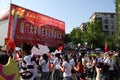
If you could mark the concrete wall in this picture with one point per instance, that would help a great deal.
(3, 31)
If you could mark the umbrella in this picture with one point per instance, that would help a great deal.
(98, 49)
(83, 49)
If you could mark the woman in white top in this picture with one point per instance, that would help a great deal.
(73, 63)
(66, 68)
(111, 62)
(35, 67)
(56, 70)
(44, 63)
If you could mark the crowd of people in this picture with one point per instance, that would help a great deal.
(67, 65)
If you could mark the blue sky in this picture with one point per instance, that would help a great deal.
(72, 12)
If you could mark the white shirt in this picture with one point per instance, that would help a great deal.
(72, 62)
(35, 69)
(56, 63)
(44, 65)
(110, 63)
(28, 60)
(68, 67)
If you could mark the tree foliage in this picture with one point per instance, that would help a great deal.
(67, 38)
(93, 35)
(76, 36)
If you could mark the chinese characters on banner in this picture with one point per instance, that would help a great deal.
(35, 28)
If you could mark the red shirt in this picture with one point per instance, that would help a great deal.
(81, 67)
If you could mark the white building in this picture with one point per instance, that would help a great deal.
(3, 31)
(108, 21)
(83, 26)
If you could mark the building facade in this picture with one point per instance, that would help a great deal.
(83, 26)
(108, 22)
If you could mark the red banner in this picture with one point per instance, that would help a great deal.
(32, 27)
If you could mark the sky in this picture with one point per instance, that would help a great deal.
(72, 12)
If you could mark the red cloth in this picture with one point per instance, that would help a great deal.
(11, 44)
(17, 56)
(60, 48)
(81, 67)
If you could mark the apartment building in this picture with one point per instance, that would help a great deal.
(83, 26)
(108, 22)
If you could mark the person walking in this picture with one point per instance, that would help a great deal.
(27, 63)
(56, 70)
(80, 69)
(66, 68)
(44, 63)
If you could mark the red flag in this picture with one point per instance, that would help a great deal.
(11, 44)
(60, 48)
(106, 47)
(16, 56)
(4, 14)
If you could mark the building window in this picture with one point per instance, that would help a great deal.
(106, 26)
(106, 21)
(112, 27)
(113, 32)
(112, 16)
(98, 15)
(105, 14)
(106, 33)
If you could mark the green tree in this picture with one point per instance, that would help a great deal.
(67, 38)
(94, 35)
(76, 36)
(113, 42)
